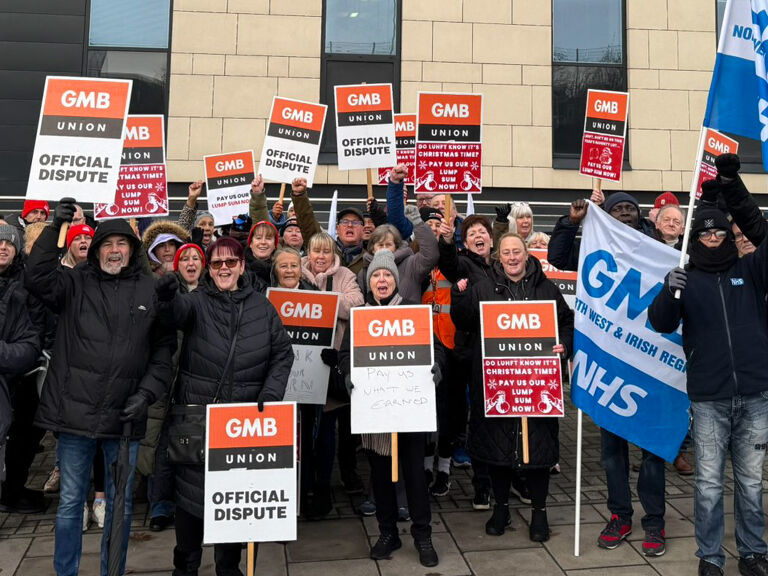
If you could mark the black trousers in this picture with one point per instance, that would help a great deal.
(189, 549)
(23, 437)
(451, 406)
(411, 456)
(536, 478)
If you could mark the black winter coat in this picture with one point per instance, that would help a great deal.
(19, 340)
(108, 343)
(563, 249)
(497, 441)
(259, 369)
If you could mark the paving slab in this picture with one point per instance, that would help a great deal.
(43, 545)
(371, 525)
(513, 563)
(358, 567)
(405, 562)
(564, 515)
(342, 539)
(560, 545)
(150, 551)
(682, 505)
(468, 529)
(11, 553)
(640, 570)
(675, 526)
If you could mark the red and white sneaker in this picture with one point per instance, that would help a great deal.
(614, 532)
(654, 543)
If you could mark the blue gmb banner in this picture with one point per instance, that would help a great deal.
(627, 377)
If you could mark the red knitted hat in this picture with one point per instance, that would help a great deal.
(75, 231)
(30, 205)
(664, 199)
(182, 249)
(264, 223)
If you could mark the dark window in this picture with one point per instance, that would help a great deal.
(750, 150)
(361, 43)
(588, 51)
(131, 40)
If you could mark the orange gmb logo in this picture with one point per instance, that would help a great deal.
(607, 105)
(363, 98)
(505, 320)
(86, 98)
(304, 308)
(456, 109)
(405, 125)
(550, 271)
(717, 143)
(298, 114)
(392, 326)
(229, 164)
(143, 132)
(246, 427)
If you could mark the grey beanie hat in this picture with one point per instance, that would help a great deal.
(12, 235)
(382, 259)
(203, 214)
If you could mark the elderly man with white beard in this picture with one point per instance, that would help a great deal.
(110, 361)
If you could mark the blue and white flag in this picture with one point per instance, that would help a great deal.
(629, 378)
(738, 95)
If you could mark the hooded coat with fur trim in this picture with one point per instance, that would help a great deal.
(157, 228)
(108, 344)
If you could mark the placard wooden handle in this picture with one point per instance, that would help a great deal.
(63, 235)
(526, 455)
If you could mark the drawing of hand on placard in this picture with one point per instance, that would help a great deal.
(605, 157)
(498, 403)
(427, 181)
(548, 403)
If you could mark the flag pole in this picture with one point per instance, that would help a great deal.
(692, 200)
(577, 504)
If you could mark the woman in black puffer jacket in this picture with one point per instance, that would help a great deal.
(497, 442)
(224, 304)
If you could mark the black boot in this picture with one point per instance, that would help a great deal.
(321, 504)
(500, 519)
(186, 563)
(539, 529)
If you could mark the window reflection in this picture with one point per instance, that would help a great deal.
(134, 24)
(587, 31)
(361, 27)
(148, 70)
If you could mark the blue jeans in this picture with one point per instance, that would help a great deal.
(75, 455)
(742, 423)
(650, 482)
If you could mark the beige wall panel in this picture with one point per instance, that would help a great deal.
(650, 150)
(536, 12)
(696, 50)
(452, 72)
(190, 95)
(658, 109)
(178, 138)
(209, 64)
(503, 74)
(205, 137)
(304, 67)
(297, 7)
(497, 150)
(204, 33)
(249, 6)
(637, 49)
(683, 146)
(662, 49)
(513, 177)
(417, 40)
(497, 43)
(429, 10)
(691, 15)
(244, 134)
(648, 14)
(537, 75)
(243, 97)
(451, 42)
(283, 35)
(643, 79)
(531, 146)
(509, 105)
(496, 11)
(246, 65)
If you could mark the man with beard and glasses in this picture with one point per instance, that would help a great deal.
(110, 361)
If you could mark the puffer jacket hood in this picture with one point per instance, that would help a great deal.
(109, 228)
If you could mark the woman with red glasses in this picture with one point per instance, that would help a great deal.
(225, 313)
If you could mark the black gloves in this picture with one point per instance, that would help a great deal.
(502, 212)
(348, 384)
(709, 191)
(330, 357)
(136, 407)
(261, 404)
(166, 287)
(437, 374)
(64, 212)
(677, 279)
(196, 237)
(728, 165)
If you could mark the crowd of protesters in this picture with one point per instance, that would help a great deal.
(117, 331)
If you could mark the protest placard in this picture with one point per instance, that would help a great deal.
(365, 128)
(392, 357)
(309, 318)
(229, 178)
(715, 143)
(565, 280)
(292, 142)
(250, 473)
(448, 143)
(605, 129)
(142, 188)
(405, 145)
(79, 139)
(521, 374)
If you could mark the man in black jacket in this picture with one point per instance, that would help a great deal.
(111, 360)
(725, 337)
(19, 342)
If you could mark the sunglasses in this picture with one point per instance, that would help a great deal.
(230, 262)
(720, 234)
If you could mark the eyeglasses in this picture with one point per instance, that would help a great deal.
(352, 223)
(719, 234)
(230, 262)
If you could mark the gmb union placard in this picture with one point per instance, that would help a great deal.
(79, 139)
(391, 369)
(365, 128)
(605, 130)
(142, 185)
(229, 178)
(565, 280)
(715, 143)
(405, 146)
(521, 374)
(449, 143)
(292, 142)
(250, 473)
(309, 317)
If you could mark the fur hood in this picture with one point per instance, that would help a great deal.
(163, 227)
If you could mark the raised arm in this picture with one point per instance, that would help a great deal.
(305, 215)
